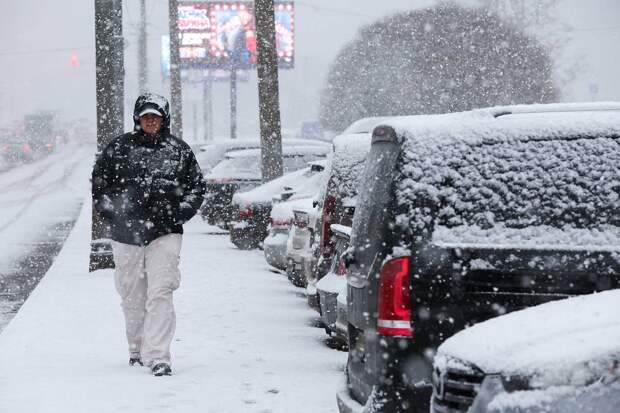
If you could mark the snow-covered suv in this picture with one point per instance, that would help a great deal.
(467, 216)
(559, 357)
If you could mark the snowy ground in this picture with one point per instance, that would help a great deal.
(39, 201)
(244, 342)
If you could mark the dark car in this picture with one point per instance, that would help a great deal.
(250, 225)
(240, 170)
(336, 205)
(467, 216)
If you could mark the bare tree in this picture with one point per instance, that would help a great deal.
(268, 91)
(441, 59)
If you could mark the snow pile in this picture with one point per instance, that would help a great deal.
(485, 179)
(572, 342)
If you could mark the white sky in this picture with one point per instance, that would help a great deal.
(38, 38)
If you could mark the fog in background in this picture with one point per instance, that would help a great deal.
(47, 57)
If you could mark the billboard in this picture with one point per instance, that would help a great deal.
(216, 75)
(222, 34)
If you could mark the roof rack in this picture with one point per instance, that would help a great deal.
(556, 108)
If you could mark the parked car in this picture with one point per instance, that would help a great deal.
(253, 207)
(210, 154)
(337, 203)
(304, 248)
(560, 357)
(241, 170)
(334, 284)
(467, 216)
(280, 223)
(300, 259)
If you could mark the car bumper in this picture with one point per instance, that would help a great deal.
(346, 404)
(493, 398)
(275, 250)
(313, 297)
(327, 302)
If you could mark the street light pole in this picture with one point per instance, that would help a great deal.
(176, 94)
(110, 90)
(233, 102)
(142, 46)
(268, 90)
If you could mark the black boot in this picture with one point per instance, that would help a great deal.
(135, 361)
(161, 369)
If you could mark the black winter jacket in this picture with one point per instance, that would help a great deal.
(146, 187)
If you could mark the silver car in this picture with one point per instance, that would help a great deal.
(333, 285)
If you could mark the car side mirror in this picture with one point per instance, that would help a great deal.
(286, 193)
(348, 258)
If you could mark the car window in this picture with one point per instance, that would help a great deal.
(530, 191)
(241, 164)
(297, 162)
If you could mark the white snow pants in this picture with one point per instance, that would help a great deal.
(145, 278)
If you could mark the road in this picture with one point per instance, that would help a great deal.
(40, 202)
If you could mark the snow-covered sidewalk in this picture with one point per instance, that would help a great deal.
(244, 340)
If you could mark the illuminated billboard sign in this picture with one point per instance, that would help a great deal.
(223, 35)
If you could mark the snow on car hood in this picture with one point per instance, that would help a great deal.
(283, 211)
(304, 182)
(568, 342)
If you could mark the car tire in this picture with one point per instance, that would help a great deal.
(245, 243)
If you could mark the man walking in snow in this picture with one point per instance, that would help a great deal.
(146, 185)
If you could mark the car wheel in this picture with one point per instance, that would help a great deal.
(245, 243)
(295, 278)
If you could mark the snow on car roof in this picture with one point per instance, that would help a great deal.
(568, 342)
(364, 125)
(286, 151)
(500, 177)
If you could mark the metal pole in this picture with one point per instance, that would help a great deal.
(109, 84)
(176, 94)
(233, 103)
(268, 90)
(207, 107)
(195, 119)
(142, 47)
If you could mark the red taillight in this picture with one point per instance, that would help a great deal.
(342, 268)
(280, 223)
(329, 207)
(395, 299)
(247, 212)
(300, 221)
